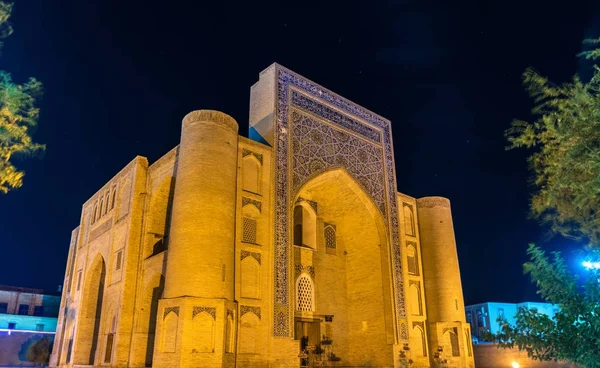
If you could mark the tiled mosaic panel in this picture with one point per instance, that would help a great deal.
(283, 187)
(317, 147)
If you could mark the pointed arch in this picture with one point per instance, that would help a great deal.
(113, 197)
(305, 225)
(250, 278)
(414, 297)
(251, 169)
(203, 327)
(101, 208)
(158, 217)
(305, 293)
(168, 341)
(412, 260)
(450, 339)
(88, 332)
(248, 333)
(409, 220)
(250, 219)
(95, 212)
(418, 341)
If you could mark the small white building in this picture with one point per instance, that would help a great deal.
(484, 317)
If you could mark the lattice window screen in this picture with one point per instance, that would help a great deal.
(330, 237)
(304, 294)
(249, 230)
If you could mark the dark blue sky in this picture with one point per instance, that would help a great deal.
(120, 75)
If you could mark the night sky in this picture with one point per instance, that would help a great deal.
(120, 75)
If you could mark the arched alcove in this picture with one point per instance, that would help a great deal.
(417, 338)
(412, 261)
(91, 313)
(414, 300)
(359, 270)
(450, 339)
(248, 333)
(203, 327)
(251, 174)
(409, 220)
(250, 278)
(168, 340)
(158, 217)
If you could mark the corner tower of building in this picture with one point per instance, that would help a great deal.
(450, 334)
(195, 314)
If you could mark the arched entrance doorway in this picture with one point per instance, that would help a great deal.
(90, 313)
(342, 284)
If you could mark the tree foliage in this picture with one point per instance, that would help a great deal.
(566, 161)
(573, 333)
(39, 352)
(18, 116)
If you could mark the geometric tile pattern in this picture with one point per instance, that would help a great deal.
(317, 147)
(171, 309)
(249, 309)
(333, 120)
(211, 311)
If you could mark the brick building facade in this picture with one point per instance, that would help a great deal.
(233, 251)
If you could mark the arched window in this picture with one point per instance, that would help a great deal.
(412, 260)
(305, 226)
(330, 239)
(250, 217)
(409, 220)
(305, 294)
(113, 197)
(251, 174)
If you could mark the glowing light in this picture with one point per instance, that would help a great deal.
(515, 365)
(588, 265)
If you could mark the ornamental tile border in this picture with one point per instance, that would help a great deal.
(169, 310)
(247, 152)
(285, 190)
(211, 311)
(257, 204)
(245, 253)
(250, 309)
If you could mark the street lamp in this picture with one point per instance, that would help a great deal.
(589, 265)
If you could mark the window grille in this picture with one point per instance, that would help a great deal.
(305, 294)
(249, 230)
(330, 241)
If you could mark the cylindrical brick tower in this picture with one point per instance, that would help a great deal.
(200, 261)
(441, 274)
